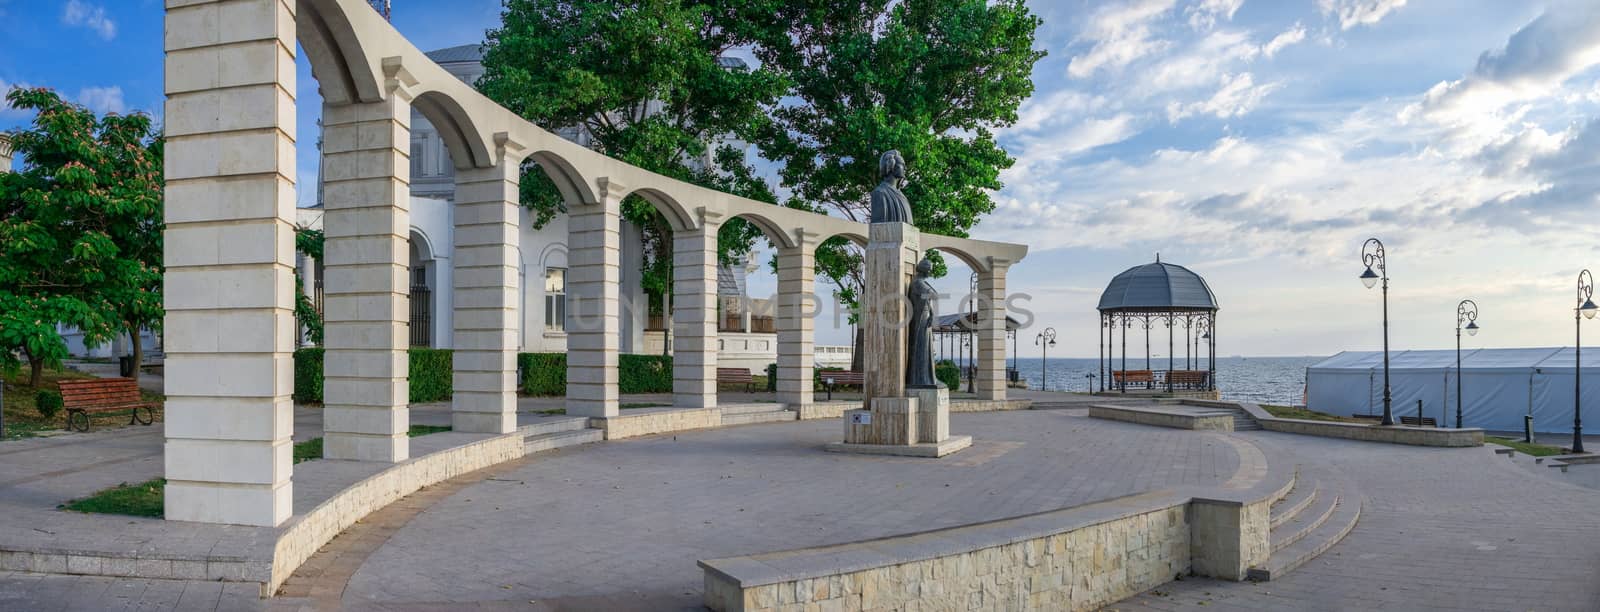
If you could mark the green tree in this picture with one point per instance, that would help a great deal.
(642, 80)
(931, 78)
(80, 229)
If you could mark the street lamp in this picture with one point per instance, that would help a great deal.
(1044, 341)
(1466, 312)
(1586, 309)
(1372, 255)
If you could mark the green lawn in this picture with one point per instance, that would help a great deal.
(143, 499)
(624, 406)
(1537, 450)
(23, 419)
(1287, 412)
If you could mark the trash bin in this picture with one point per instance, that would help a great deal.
(125, 365)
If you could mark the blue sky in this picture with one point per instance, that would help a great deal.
(1258, 142)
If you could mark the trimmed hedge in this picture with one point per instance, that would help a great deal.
(543, 373)
(644, 374)
(308, 375)
(48, 403)
(432, 375)
(947, 373)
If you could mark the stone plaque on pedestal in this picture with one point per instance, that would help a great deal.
(892, 420)
(933, 413)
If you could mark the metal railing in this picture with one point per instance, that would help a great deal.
(421, 316)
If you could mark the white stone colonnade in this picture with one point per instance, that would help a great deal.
(229, 286)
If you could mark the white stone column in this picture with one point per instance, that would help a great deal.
(694, 314)
(594, 258)
(991, 379)
(795, 309)
(365, 297)
(229, 255)
(487, 299)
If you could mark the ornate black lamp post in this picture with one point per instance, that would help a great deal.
(1044, 341)
(1466, 312)
(1374, 257)
(1586, 310)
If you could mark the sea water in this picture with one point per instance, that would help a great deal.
(1266, 380)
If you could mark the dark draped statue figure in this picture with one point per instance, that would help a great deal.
(888, 204)
(919, 336)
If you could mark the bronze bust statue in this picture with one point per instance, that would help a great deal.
(888, 204)
(919, 336)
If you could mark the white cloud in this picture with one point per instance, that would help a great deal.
(1238, 96)
(102, 100)
(6, 112)
(1291, 36)
(1205, 14)
(1204, 63)
(93, 17)
(1534, 63)
(1352, 13)
(1121, 34)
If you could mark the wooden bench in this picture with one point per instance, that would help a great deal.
(736, 376)
(83, 397)
(1426, 421)
(1121, 377)
(1187, 379)
(841, 378)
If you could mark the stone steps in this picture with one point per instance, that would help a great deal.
(560, 439)
(1319, 512)
(554, 424)
(765, 416)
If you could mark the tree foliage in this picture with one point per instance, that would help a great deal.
(640, 81)
(930, 78)
(80, 228)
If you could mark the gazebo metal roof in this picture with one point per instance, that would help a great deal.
(1158, 287)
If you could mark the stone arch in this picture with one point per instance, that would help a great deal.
(574, 187)
(424, 244)
(771, 229)
(678, 217)
(855, 238)
(972, 261)
(338, 61)
(457, 130)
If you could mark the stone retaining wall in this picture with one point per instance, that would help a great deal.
(647, 421)
(1072, 559)
(1163, 418)
(1394, 434)
(305, 534)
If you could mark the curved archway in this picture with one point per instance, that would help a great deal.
(973, 262)
(334, 51)
(573, 185)
(456, 129)
(678, 217)
(770, 229)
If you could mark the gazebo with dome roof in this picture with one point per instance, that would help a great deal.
(1159, 294)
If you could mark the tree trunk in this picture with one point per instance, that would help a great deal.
(36, 370)
(138, 351)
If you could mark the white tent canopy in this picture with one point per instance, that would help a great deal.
(1498, 386)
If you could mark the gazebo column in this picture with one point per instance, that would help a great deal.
(694, 314)
(796, 275)
(991, 372)
(366, 397)
(487, 299)
(594, 277)
(229, 254)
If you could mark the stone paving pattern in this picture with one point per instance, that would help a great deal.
(634, 516)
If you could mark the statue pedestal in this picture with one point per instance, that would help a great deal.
(900, 426)
(896, 420)
(933, 414)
